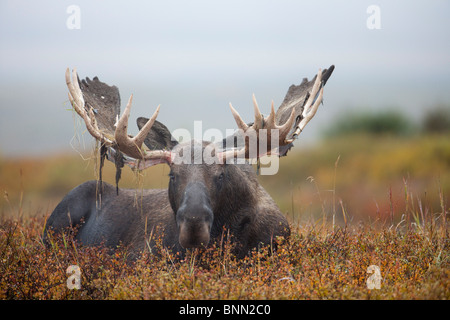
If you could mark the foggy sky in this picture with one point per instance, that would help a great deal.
(194, 57)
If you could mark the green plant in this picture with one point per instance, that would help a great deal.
(387, 122)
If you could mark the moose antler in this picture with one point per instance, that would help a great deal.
(77, 101)
(99, 106)
(285, 133)
(267, 124)
(132, 147)
(310, 109)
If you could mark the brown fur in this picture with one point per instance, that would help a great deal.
(239, 204)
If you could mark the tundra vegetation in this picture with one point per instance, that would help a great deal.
(352, 201)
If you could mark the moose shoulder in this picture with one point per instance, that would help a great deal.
(205, 200)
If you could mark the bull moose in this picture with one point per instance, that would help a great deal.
(204, 199)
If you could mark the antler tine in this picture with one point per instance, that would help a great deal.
(240, 123)
(284, 128)
(121, 133)
(271, 118)
(131, 146)
(77, 101)
(308, 110)
(75, 97)
(287, 126)
(309, 115)
(259, 121)
(142, 134)
(314, 91)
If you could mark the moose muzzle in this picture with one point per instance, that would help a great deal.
(194, 217)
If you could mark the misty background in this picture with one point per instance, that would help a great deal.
(194, 57)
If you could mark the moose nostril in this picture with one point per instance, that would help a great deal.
(197, 218)
(193, 235)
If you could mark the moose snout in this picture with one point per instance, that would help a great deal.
(194, 217)
(194, 232)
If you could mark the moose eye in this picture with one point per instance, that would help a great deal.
(220, 177)
(172, 177)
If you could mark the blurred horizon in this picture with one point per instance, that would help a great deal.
(195, 57)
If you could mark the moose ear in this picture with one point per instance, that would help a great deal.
(159, 137)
